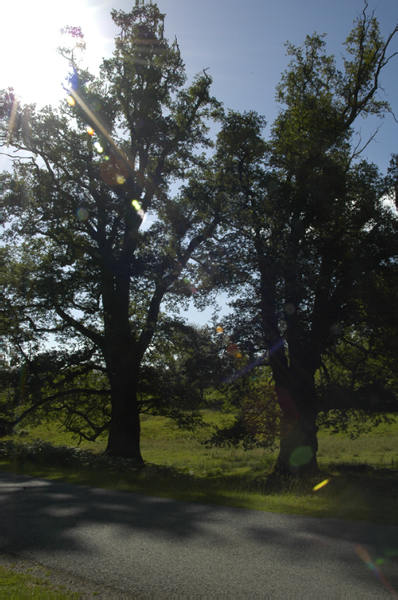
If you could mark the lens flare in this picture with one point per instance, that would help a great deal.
(219, 329)
(232, 349)
(90, 130)
(71, 101)
(320, 485)
(364, 555)
(290, 309)
(301, 456)
(138, 208)
(98, 147)
(82, 214)
(113, 171)
(136, 205)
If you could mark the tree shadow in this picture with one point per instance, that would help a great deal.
(39, 512)
(206, 546)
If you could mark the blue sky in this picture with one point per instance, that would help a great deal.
(242, 44)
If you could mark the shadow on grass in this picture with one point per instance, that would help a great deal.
(348, 491)
(356, 492)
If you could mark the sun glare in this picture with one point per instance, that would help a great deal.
(29, 36)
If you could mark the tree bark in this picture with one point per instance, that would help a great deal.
(124, 428)
(297, 399)
(298, 443)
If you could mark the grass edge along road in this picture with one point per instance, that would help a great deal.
(21, 578)
(361, 475)
(24, 578)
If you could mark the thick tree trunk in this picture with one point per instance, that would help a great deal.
(296, 395)
(124, 433)
(298, 442)
(124, 428)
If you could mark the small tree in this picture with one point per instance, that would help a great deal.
(80, 264)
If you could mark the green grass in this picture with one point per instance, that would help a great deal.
(164, 443)
(32, 583)
(362, 473)
(379, 448)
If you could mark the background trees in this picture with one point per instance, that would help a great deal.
(81, 267)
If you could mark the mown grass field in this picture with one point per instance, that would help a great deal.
(362, 474)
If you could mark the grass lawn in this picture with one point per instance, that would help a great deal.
(362, 474)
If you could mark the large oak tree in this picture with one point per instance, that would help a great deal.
(310, 245)
(82, 265)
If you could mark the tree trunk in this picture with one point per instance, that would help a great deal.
(297, 399)
(298, 442)
(296, 392)
(125, 428)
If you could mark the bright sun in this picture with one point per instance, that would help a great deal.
(29, 36)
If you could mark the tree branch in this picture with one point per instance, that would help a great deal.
(91, 335)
